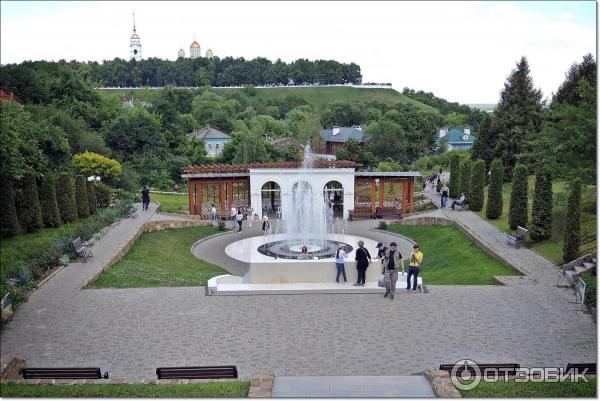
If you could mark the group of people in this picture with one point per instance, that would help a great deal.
(444, 193)
(391, 262)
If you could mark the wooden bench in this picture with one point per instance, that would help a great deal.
(390, 212)
(198, 372)
(81, 250)
(63, 373)
(518, 237)
(358, 213)
(500, 369)
(581, 367)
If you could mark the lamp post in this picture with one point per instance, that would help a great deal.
(94, 179)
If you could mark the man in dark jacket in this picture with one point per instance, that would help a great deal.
(363, 259)
(145, 197)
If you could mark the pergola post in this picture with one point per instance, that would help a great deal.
(190, 198)
(222, 196)
(381, 191)
(404, 196)
(373, 192)
(411, 185)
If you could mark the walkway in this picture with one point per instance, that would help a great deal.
(130, 332)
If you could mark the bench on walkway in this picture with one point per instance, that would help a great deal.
(518, 237)
(132, 213)
(581, 367)
(63, 373)
(198, 372)
(461, 206)
(81, 250)
(388, 212)
(500, 369)
(358, 213)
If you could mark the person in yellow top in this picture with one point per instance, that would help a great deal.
(416, 258)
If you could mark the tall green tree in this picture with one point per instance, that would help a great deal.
(66, 198)
(493, 209)
(518, 116)
(50, 213)
(91, 196)
(517, 215)
(454, 185)
(485, 142)
(477, 185)
(9, 224)
(465, 178)
(572, 236)
(541, 212)
(30, 210)
(83, 206)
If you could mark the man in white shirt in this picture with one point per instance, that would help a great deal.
(460, 201)
(213, 212)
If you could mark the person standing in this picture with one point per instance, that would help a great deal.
(239, 217)
(445, 190)
(145, 197)
(363, 259)
(266, 226)
(213, 212)
(391, 263)
(250, 217)
(340, 257)
(380, 250)
(232, 214)
(416, 258)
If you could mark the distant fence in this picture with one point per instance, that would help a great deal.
(367, 85)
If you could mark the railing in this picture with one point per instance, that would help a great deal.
(580, 287)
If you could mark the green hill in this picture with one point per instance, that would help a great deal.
(316, 96)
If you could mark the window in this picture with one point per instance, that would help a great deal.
(465, 137)
(210, 145)
(217, 146)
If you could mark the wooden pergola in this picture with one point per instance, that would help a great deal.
(385, 191)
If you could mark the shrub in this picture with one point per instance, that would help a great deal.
(477, 185)
(83, 207)
(572, 238)
(222, 226)
(9, 224)
(103, 193)
(91, 196)
(465, 179)
(493, 209)
(87, 231)
(64, 245)
(89, 163)
(50, 213)
(588, 200)
(383, 225)
(31, 212)
(108, 216)
(517, 215)
(65, 195)
(22, 275)
(46, 259)
(454, 183)
(541, 213)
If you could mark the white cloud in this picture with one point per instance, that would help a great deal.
(461, 51)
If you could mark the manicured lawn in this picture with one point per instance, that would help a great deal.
(161, 259)
(525, 390)
(552, 248)
(450, 257)
(172, 203)
(197, 390)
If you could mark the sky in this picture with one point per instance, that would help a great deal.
(460, 51)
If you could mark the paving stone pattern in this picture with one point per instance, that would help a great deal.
(130, 332)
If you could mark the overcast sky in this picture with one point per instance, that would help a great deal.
(461, 51)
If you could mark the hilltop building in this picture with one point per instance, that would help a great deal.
(135, 46)
(181, 53)
(336, 137)
(214, 140)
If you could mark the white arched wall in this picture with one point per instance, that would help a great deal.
(286, 178)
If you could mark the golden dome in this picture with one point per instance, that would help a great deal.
(135, 36)
(195, 45)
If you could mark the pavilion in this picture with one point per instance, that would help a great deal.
(264, 187)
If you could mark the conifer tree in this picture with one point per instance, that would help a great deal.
(50, 213)
(572, 238)
(83, 206)
(454, 183)
(9, 224)
(517, 215)
(477, 185)
(541, 211)
(465, 178)
(66, 198)
(30, 210)
(493, 209)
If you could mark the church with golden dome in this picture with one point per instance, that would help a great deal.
(135, 46)
(195, 51)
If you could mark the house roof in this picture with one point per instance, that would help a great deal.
(455, 135)
(344, 134)
(244, 168)
(207, 133)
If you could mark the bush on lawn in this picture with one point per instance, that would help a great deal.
(465, 178)
(572, 238)
(30, 210)
(83, 207)
(517, 215)
(65, 195)
(541, 213)
(454, 183)
(50, 213)
(477, 185)
(383, 225)
(9, 224)
(494, 205)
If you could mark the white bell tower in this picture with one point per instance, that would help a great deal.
(135, 47)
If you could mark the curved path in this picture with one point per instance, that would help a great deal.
(130, 332)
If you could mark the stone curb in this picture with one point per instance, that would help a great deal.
(77, 382)
(261, 386)
(442, 384)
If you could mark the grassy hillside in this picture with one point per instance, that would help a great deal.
(315, 96)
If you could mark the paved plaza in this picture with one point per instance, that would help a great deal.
(130, 332)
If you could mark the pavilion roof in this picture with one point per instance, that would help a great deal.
(245, 168)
